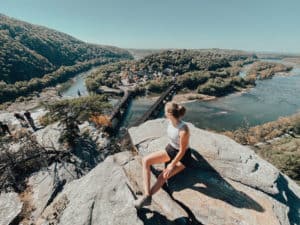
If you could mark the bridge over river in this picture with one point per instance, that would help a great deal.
(153, 112)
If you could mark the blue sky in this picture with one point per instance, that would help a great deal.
(258, 25)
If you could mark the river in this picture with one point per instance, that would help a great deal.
(78, 85)
(267, 101)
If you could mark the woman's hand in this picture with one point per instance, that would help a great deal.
(168, 170)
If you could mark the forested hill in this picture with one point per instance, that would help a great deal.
(28, 50)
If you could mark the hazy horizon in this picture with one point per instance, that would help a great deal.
(256, 26)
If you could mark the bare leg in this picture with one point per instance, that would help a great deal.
(153, 158)
(161, 179)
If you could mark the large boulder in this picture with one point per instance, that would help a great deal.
(100, 197)
(106, 196)
(227, 182)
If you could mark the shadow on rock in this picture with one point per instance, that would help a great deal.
(150, 217)
(204, 178)
(86, 150)
(287, 197)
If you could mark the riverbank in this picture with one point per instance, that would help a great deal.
(192, 96)
(9, 92)
(219, 84)
(264, 70)
(295, 60)
(49, 94)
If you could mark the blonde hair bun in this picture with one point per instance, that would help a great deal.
(175, 109)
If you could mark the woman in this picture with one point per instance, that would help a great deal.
(177, 153)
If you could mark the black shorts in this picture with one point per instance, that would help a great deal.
(186, 160)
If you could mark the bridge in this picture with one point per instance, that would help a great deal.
(120, 109)
(153, 112)
(117, 110)
(155, 109)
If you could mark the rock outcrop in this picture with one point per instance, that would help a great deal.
(100, 197)
(35, 166)
(106, 195)
(228, 183)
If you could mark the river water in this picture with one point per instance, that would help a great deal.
(78, 84)
(267, 101)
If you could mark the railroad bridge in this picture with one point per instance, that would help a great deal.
(120, 109)
(155, 109)
(153, 112)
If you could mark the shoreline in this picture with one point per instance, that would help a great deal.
(182, 98)
(185, 97)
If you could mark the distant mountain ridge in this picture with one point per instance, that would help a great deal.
(28, 51)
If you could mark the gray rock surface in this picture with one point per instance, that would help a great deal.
(228, 183)
(161, 201)
(100, 197)
(49, 136)
(106, 196)
(227, 157)
(45, 184)
(101, 139)
(10, 207)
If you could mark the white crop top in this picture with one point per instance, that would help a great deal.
(173, 134)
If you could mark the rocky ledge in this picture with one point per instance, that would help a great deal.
(226, 184)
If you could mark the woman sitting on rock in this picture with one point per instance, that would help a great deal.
(177, 153)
